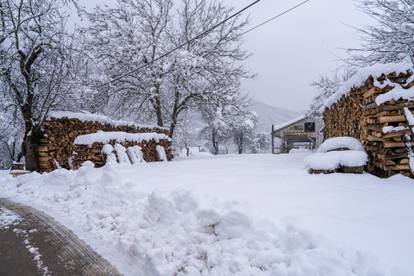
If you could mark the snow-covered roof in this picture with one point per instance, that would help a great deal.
(119, 137)
(91, 117)
(289, 123)
(363, 74)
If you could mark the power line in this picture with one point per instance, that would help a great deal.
(182, 45)
(207, 32)
(275, 17)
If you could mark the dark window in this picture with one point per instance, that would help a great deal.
(310, 127)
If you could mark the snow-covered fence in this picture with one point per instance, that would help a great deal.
(58, 147)
(373, 107)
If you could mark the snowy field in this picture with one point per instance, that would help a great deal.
(231, 215)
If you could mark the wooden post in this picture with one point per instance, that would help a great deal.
(273, 139)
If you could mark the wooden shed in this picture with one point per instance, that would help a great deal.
(301, 132)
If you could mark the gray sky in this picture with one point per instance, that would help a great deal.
(291, 52)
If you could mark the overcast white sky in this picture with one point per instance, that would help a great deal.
(289, 53)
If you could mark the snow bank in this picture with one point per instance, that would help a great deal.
(335, 159)
(339, 143)
(362, 75)
(91, 117)
(119, 137)
(177, 233)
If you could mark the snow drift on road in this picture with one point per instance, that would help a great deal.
(177, 233)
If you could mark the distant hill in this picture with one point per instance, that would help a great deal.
(268, 115)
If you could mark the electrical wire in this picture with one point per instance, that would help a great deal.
(181, 45)
(204, 34)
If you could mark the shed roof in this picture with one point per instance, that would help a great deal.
(290, 123)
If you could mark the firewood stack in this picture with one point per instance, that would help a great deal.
(380, 126)
(56, 148)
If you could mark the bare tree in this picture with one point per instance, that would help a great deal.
(326, 86)
(37, 65)
(391, 39)
(136, 32)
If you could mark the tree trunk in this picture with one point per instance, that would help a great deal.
(156, 103)
(240, 142)
(215, 143)
(158, 111)
(187, 149)
(30, 144)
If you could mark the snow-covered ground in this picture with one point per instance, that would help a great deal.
(231, 215)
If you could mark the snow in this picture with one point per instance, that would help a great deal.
(119, 137)
(397, 93)
(409, 116)
(92, 117)
(8, 218)
(121, 152)
(390, 129)
(339, 143)
(231, 215)
(107, 149)
(161, 153)
(363, 74)
(335, 159)
(289, 123)
(135, 155)
(410, 153)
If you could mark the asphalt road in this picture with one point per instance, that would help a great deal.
(35, 244)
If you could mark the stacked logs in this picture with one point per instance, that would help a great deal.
(56, 148)
(358, 115)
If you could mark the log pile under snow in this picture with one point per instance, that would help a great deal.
(91, 132)
(376, 107)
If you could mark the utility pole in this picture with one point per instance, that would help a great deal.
(273, 139)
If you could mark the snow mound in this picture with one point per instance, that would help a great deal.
(333, 160)
(119, 137)
(341, 143)
(92, 117)
(178, 233)
(362, 75)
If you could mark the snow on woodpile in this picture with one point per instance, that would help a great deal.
(363, 74)
(341, 143)
(375, 106)
(337, 153)
(92, 117)
(334, 160)
(118, 137)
